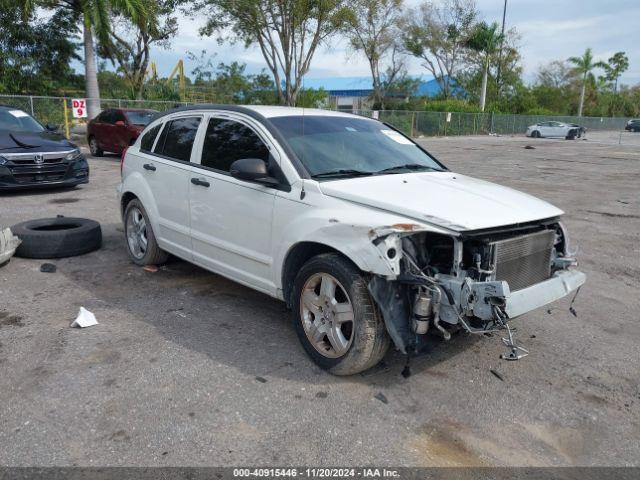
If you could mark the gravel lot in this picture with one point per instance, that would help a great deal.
(188, 368)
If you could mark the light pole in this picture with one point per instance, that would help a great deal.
(504, 16)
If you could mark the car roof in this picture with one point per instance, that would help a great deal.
(271, 111)
(137, 109)
(118, 109)
(260, 111)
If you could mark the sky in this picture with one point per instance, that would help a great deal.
(550, 30)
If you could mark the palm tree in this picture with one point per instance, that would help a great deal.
(95, 21)
(583, 66)
(485, 40)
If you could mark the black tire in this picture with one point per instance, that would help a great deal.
(571, 135)
(153, 254)
(370, 340)
(95, 150)
(57, 237)
(535, 134)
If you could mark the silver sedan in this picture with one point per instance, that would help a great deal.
(553, 129)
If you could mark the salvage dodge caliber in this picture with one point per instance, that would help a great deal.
(365, 235)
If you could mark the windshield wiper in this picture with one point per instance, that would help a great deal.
(343, 172)
(408, 166)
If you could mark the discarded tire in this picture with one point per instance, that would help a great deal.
(57, 237)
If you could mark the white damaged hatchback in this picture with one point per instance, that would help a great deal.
(365, 235)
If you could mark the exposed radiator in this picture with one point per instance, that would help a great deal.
(524, 261)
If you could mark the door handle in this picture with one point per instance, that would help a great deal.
(199, 181)
(149, 166)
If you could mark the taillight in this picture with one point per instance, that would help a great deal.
(124, 152)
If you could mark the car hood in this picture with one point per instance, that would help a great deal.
(18, 141)
(446, 199)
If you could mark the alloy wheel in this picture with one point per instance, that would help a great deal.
(136, 232)
(327, 315)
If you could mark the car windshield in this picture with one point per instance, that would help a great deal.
(333, 146)
(140, 118)
(18, 121)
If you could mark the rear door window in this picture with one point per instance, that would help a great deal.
(176, 140)
(227, 141)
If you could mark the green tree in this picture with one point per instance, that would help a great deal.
(229, 83)
(288, 32)
(614, 67)
(436, 34)
(583, 66)
(128, 45)
(500, 95)
(555, 74)
(35, 54)
(373, 31)
(485, 39)
(95, 17)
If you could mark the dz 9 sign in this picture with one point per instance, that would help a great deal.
(79, 107)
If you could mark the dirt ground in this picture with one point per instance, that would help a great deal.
(188, 368)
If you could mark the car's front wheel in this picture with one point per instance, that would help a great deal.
(142, 246)
(535, 134)
(335, 317)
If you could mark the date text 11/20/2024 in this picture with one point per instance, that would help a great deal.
(317, 472)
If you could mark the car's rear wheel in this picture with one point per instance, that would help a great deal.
(95, 150)
(335, 317)
(141, 242)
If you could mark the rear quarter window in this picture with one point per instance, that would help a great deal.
(146, 143)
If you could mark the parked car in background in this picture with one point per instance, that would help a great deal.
(364, 234)
(32, 155)
(633, 125)
(116, 128)
(553, 129)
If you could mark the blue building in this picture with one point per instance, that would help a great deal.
(352, 93)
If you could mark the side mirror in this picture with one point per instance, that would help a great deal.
(52, 127)
(120, 123)
(252, 170)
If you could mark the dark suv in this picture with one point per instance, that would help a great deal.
(633, 125)
(116, 128)
(34, 156)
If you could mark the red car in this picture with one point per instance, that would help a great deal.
(116, 128)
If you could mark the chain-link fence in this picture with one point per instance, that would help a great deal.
(415, 124)
(431, 124)
(52, 109)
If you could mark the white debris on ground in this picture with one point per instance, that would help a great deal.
(84, 319)
(8, 244)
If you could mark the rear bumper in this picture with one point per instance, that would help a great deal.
(561, 284)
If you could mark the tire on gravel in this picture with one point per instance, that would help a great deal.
(154, 254)
(57, 237)
(371, 340)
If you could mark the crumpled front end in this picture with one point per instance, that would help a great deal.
(476, 280)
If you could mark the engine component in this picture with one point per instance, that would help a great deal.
(422, 312)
